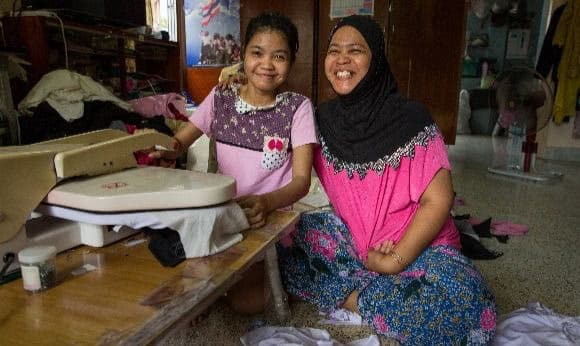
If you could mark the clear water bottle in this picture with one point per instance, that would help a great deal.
(514, 146)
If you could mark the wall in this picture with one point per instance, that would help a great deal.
(302, 77)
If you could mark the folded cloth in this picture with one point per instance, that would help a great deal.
(203, 231)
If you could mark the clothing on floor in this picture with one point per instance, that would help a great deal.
(537, 325)
(439, 299)
(274, 336)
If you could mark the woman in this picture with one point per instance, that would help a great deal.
(391, 251)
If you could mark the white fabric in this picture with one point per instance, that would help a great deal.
(537, 325)
(275, 336)
(203, 231)
(65, 91)
(342, 317)
(198, 155)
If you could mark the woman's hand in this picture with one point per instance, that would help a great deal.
(256, 209)
(237, 78)
(383, 263)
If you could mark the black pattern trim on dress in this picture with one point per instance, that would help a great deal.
(379, 166)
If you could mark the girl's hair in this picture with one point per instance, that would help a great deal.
(274, 21)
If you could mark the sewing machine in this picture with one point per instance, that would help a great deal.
(90, 174)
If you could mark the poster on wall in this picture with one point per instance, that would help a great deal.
(345, 8)
(212, 31)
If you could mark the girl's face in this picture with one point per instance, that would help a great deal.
(347, 60)
(267, 60)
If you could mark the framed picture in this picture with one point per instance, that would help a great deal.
(212, 30)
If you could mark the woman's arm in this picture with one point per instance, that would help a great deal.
(434, 207)
(257, 207)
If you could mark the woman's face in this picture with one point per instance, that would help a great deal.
(347, 60)
(267, 60)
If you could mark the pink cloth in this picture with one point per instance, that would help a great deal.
(151, 106)
(503, 227)
(246, 165)
(507, 228)
(380, 207)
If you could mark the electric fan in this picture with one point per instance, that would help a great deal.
(524, 100)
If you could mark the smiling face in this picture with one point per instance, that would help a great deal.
(267, 61)
(347, 60)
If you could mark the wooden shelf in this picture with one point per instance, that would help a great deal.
(108, 47)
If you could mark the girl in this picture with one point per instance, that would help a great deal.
(264, 137)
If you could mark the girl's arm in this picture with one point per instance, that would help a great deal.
(182, 140)
(434, 207)
(257, 207)
(188, 134)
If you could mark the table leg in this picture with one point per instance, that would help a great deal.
(279, 297)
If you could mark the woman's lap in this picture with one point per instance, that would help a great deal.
(440, 298)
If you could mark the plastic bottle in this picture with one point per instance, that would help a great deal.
(38, 267)
(515, 140)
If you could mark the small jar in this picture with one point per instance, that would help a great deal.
(38, 267)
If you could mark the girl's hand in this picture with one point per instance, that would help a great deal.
(385, 247)
(163, 154)
(256, 209)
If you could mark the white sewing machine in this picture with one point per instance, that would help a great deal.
(95, 172)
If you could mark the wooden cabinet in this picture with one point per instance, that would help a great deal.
(425, 51)
(124, 62)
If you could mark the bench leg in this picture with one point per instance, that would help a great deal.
(279, 297)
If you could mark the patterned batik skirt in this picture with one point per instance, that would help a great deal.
(440, 299)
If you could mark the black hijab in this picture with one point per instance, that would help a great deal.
(374, 125)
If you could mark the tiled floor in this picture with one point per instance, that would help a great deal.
(541, 266)
(544, 264)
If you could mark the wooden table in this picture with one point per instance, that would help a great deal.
(131, 299)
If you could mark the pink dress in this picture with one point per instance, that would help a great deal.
(380, 207)
(255, 145)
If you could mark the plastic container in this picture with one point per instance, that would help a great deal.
(38, 267)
